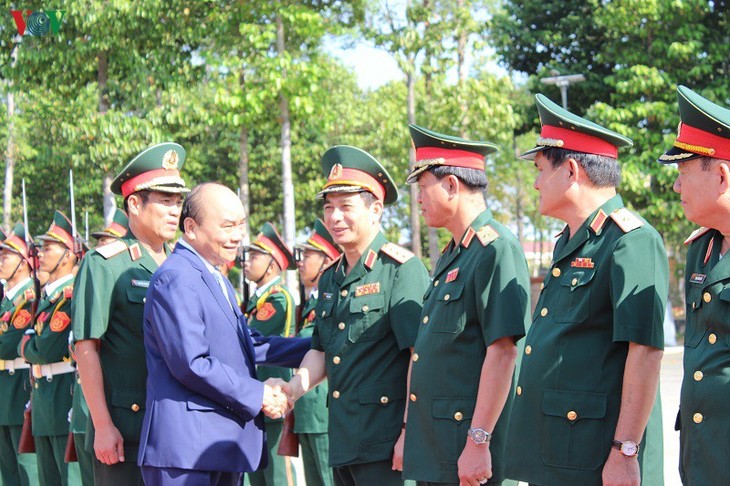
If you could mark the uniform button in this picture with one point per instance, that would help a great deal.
(694, 304)
(556, 272)
(543, 312)
(343, 293)
(572, 415)
(135, 407)
(528, 349)
(712, 338)
(697, 418)
(341, 326)
(323, 313)
(458, 416)
(78, 380)
(435, 283)
(335, 394)
(425, 319)
(365, 308)
(384, 400)
(574, 282)
(698, 375)
(519, 390)
(413, 397)
(144, 299)
(706, 297)
(542, 285)
(415, 357)
(36, 384)
(336, 360)
(447, 297)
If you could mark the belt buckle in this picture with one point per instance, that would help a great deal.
(37, 373)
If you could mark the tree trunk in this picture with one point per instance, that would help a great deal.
(286, 178)
(415, 213)
(110, 203)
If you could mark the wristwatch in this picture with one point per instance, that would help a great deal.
(479, 436)
(628, 448)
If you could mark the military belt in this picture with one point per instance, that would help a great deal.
(50, 370)
(11, 365)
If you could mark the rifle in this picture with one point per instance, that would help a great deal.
(78, 246)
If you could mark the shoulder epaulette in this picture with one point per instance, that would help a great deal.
(486, 234)
(626, 220)
(696, 234)
(396, 252)
(68, 292)
(112, 249)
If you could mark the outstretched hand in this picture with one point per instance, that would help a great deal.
(277, 398)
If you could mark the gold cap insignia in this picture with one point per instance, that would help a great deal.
(169, 160)
(336, 172)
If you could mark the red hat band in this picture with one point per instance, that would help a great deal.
(268, 245)
(353, 177)
(60, 234)
(451, 157)
(701, 142)
(130, 186)
(318, 242)
(578, 141)
(18, 245)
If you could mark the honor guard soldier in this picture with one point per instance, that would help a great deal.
(15, 318)
(590, 368)
(366, 322)
(702, 153)
(271, 311)
(45, 347)
(310, 414)
(108, 308)
(117, 229)
(474, 311)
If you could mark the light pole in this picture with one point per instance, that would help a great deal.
(563, 82)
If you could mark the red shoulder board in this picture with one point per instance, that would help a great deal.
(60, 321)
(397, 253)
(626, 220)
(266, 312)
(68, 292)
(696, 234)
(22, 319)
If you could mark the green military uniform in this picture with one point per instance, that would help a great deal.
(272, 312)
(703, 420)
(606, 287)
(15, 319)
(367, 319)
(110, 291)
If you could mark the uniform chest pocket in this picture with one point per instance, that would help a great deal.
(137, 295)
(575, 292)
(367, 320)
(450, 310)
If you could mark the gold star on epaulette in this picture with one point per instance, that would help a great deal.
(626, 220)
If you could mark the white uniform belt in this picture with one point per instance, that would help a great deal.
(49, 370)
(11, 365)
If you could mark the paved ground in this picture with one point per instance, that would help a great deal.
(671, 381)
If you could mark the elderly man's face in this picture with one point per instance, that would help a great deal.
(221, 226)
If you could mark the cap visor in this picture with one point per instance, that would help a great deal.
(342, 189)
(675, 155)
(413, 176)
(530, 154)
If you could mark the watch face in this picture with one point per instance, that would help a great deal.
(479, 436)
(628, 448)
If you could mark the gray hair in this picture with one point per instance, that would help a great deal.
(475, 180)
(602, 171)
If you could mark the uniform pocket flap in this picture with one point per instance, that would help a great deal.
(383, 393)
(578, 278)
(129, 399)
(455, 409)
(324, 308)
(574, 405)
(197, 402)
(136, 295)
(451, 291)
(367, 303)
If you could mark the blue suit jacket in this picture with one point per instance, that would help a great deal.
(203, 408)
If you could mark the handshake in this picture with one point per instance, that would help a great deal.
(278, 399)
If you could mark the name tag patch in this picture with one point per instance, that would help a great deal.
(140, 283)
(698, 278)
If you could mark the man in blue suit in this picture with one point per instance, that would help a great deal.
(203, 421)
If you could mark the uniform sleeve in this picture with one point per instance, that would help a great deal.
(502, 285)
(406, 301)
(93, 291)
(275, 317)
(639, 288)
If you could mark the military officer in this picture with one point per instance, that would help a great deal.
(15, 318)
(45, 347)
(271, 311)
(366, 321)
(474, 311)
(310, 414)
(590, 368)
(118, 228)
(702, 153)
(107, 311)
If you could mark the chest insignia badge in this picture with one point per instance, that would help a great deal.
(582, 263)
(451, 276)
(367, 289)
